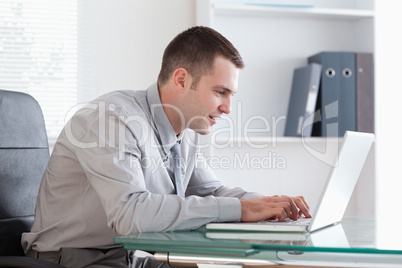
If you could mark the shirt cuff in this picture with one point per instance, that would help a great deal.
(229, 209)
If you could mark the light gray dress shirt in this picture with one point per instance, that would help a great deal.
(110, 174)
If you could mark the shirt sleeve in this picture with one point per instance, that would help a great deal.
(204, 182)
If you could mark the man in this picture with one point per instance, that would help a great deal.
(112, 171)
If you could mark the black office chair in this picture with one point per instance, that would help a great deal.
(24, 154)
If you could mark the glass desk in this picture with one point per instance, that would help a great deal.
(351, 243)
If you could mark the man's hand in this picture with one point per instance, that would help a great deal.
(273, 207)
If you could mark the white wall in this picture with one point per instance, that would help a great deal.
(388, 45)
(129, 38)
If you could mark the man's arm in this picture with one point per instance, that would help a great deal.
(254, 206)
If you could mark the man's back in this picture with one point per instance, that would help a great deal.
(69, 212)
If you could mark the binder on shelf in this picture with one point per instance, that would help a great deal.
(336, 107)
(347, 92)
(365, 92)
(302, 101)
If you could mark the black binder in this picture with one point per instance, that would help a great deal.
(336, 107)
(302, 101)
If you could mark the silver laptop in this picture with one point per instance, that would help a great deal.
(335, 195)
(332, 236)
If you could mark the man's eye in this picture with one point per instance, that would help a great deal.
(221, 92)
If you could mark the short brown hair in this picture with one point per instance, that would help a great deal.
(195, 50)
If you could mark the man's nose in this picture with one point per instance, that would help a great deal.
(226, 106)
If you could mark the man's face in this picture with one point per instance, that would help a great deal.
(212, 96)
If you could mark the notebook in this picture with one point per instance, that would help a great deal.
(335, 195)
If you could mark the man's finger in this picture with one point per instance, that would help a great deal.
(292, 207)
(303, 206)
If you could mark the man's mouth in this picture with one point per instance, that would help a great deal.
(214, 118)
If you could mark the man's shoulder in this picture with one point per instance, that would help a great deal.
(115, 104)
(121, 96)
(123, 101)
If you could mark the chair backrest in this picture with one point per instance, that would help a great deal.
(24, 154)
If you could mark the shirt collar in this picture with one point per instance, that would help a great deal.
(166, 132)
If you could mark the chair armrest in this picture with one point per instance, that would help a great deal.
(26, 262)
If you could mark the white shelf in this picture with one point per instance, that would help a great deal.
(273, 41)
(280, 140)
(313, 12)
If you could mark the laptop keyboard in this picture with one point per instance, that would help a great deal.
(300, 221)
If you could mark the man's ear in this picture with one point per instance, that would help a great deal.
(181, 78)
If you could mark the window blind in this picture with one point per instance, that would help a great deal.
(39, 55)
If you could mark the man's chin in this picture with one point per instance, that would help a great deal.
(202, 131)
